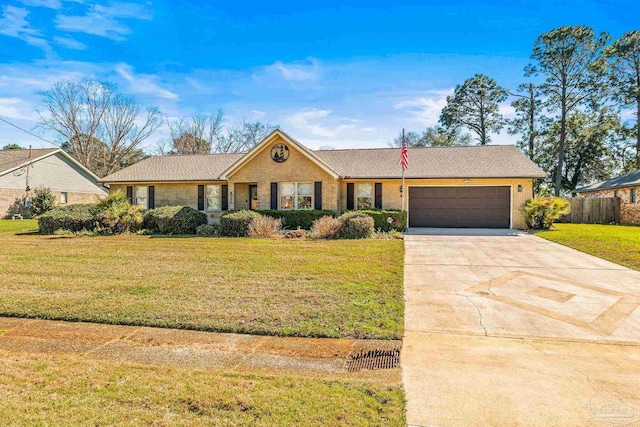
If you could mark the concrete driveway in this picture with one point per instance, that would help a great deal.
(505, 328)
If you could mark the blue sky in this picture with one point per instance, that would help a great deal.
(346, 74)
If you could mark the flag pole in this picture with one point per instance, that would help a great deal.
(403, 189)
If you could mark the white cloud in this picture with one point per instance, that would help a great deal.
(13, 23)
(297, 72)
(143, 83)
(425, 110)
(105, 21)
(16, 108)
(50, 4)
(70, 43)
(318, 123)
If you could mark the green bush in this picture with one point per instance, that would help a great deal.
(73, 218)
(174, 220)
(540, 212)
(387, 219)
(43, 200)
(297, 219)
(356, 225)
(116, 215)
(236, 223)
(208, 230)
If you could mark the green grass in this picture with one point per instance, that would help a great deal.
(18, 226)
(75, 391)
(615, 243)
(345, 288)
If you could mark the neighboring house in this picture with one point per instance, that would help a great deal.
(626, 187)
(22, 171)
(481, 186)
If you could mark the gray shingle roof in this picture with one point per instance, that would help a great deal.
(489, 161)
(629, 180)
(10, 159)
(205, 167)
(494, 161)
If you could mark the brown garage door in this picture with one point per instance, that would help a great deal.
(473, 207)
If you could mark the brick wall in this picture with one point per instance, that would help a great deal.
(630, 213)
(11, 201)
(623, 193)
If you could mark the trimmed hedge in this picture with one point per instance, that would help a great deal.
(174, 220)
(73, 218)
(381, 219)
(297, 219)
(236, 223)
(356, 225)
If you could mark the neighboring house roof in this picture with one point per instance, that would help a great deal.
(489, 161)
(629, 180)
(11, 160)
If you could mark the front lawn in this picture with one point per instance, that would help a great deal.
(18, 226)
(339, 288)
(615, 243)
(41, 390)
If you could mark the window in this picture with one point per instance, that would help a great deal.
(616, 193)
(214, 202)
(364, 198)
(633, 196)
(63, 198)
(296, 195)
(142, 196)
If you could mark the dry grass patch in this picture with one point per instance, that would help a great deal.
(256, 286)
(76, 391)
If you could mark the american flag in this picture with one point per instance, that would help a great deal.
(404, 157)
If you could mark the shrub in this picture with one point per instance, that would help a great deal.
(326, 227)
(387, 219)
(115, 215)
(73, 218)
(208, 230)
(265, 227)
(174, 220)
(297, 219)
(236, 223)
(43, 200)
(540, 212)
(356, 225)
(295, 234)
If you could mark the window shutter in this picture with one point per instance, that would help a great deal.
(130, 193)
(225, 197)
(274, 195)
(378, 195)
(200, 197)
(350, 196)
(317, 195)
(152, 197)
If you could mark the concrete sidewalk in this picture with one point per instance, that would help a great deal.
(309, 357)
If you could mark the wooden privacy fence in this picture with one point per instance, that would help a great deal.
(596, 210)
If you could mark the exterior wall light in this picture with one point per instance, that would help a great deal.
(519, 188)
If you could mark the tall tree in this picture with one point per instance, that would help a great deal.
(11, 147)
(433, 136)
(570, 59)
(475, 105)
(624, 70)
(527, 106)
(99, 126)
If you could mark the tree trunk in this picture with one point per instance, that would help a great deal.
(563, 131)
(638, 133)
(532, 116)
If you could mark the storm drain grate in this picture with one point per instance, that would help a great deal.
(374, 359)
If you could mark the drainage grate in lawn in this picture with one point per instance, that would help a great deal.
(374, 359)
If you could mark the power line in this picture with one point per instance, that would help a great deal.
(26, 131)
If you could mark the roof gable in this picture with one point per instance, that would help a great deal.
(628, 180)
(11, 160)
(266, 143)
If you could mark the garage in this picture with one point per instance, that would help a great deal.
(460, 207)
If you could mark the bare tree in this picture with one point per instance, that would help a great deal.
(99, 126)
